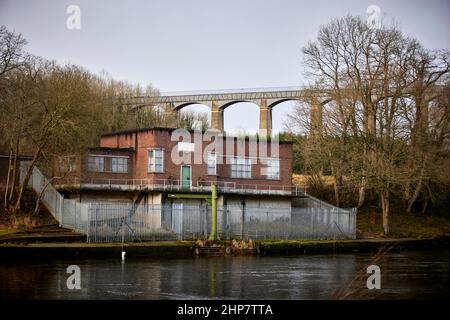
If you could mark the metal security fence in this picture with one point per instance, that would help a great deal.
(288, 223)
(255, 222)
(322, 223)
(111, 222)
(68, 212)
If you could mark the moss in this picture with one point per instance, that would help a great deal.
(288, 247)
(7, 232)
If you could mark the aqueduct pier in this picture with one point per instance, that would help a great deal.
(266, 99)
(218, 100)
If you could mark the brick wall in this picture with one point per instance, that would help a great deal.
(81, 172)
(144, 140)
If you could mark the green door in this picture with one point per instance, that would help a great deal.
(186, 177)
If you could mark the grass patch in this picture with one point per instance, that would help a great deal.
(302, 180)
(7, 232)
(402, 224)
(419, 226)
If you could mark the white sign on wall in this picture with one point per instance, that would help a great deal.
(186, 146)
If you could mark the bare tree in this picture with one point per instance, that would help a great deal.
(376, 125)
(12, 57)
(11, 51)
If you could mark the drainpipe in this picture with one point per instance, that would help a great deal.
(243, 217)
(214, 235)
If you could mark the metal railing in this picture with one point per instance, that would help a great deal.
(226, 94)
(114, 222)
(179, 185)
(236, 90)
(68, 212)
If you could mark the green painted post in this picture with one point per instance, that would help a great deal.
(213, 235)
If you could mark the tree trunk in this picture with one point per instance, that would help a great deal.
(407, 191)
(336, 192)
(13, 184)
(425, 206)
(385, 209)
(337, 188)
(25, 181)
(362, 193)
(38, 200)
(414, 197)
(417, 190)
(7, 179)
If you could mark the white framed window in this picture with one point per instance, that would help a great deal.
(212, 163)
(241, 167)
(72, 164)
(156, 160)
(119, 165)
(96, 163)
(68, 164)
(273, 169)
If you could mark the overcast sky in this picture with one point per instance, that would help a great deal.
(179, 45)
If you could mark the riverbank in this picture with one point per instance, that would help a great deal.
(186, 249)
(293, 247)
(154, 249)
(50, 233)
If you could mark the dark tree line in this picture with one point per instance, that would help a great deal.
(48, 110)
(386, 131)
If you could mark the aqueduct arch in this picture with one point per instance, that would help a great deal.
(266, 99)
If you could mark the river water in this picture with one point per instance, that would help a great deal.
(404, 275)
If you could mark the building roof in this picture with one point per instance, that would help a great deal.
(21, 157)
(114, 133)
(111, 149)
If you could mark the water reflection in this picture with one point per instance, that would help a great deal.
(404, 275)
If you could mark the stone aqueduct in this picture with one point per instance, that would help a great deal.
(218, 101)
(266, 99)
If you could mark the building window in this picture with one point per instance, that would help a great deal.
(156, 160)
(68, 164)
(96, 163)
(273, 169)
(241, 167)
(212, 163)
(119, 165)
(72, 164)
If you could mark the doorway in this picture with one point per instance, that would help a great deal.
(186, 177)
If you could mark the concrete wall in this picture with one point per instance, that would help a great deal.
(258, 202)
(102, 197)
(254, 210)
(310, 202)
(150, 210)
(146, 212)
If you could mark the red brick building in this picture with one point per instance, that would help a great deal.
(144, 165)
